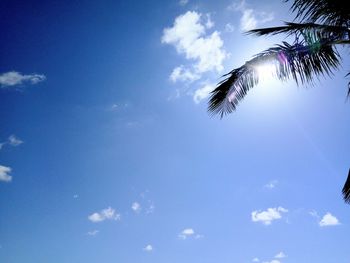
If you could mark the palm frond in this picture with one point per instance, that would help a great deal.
(331, 12)
(346, 189)
(299, 61)
(325, 31)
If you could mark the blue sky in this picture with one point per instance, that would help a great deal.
(108, 154)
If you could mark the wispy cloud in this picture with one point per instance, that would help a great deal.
(281, 255)
(229, 28)
(203, 93)
(14, 78)
(329, 220)
(105, 214)
(190, 38)
(183, 2)
(136, 207)
(250, 18)
(12, 140)
(266, 217)
(255, 260)
(189, 232)
(186, 233)
(148, 248)
(272, 184)
(4, 174)
(93, 232)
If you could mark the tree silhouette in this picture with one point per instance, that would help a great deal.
(323, 26)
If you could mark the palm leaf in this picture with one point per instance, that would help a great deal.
(299, 61)
(346, 189)
(331, 12)
(326, 31)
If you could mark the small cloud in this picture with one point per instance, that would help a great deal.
(75, 196)
(148, 248)
(272, 184)
(183, 2)
(1, 145)
(14, 78)
(14, 141)
(151, 207)
(4, 174)
(280, 255)
(329, 220)
(203, 93)
(266, 217)
(250, 18)
(209, 23)
(255, 260)
(136, 207)
(93, 232)
(229, 28)
(189, 232)
(105, 214)
(183, 74)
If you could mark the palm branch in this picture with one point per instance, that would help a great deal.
(299, 61)
(346, 189)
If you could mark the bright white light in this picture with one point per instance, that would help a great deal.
(266, 71)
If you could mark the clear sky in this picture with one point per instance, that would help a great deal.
(108, 154)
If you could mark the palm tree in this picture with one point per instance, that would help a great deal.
(323, 26)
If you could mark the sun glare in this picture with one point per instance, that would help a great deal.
(266, 71)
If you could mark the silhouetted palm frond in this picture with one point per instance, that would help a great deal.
(331, 12)
(346, 189)
(326, 31)
(302, 62)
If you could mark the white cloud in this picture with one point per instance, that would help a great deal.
(4, 174)
(75, 196)
(186, 233)
(203, 93)
(229, 27)
(209, 23)
(329, 220)
(14, 78)
(189, 232)
(280, 255)
(148, 248)
(255, 260)
(250, 18)
(272, 184)
(150, 209)
(266, 217)
(181, 73)
(188, 35)
(14, 141)
(93, 232)
(183, 2)
(272, 261)
(136, 207)
(105, 214)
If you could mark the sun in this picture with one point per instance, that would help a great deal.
(266, 71)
